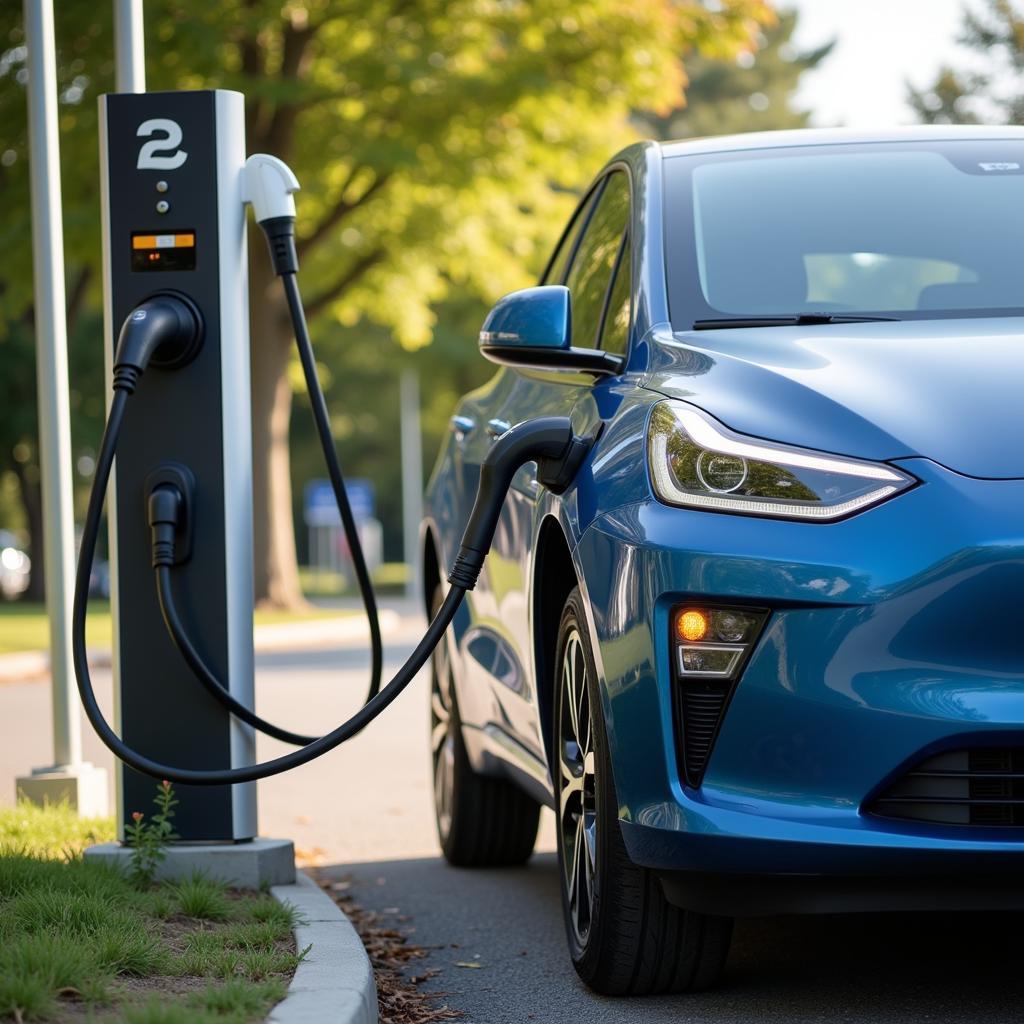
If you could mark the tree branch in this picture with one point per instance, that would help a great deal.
(334, 291)
(296, 40)
(341, 209)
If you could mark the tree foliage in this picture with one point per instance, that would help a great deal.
(993, 90)
(751, 90)
(438, 143)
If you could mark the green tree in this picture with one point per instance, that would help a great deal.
(994, 30)
(749, 91)
(435, 142)
(744, 89)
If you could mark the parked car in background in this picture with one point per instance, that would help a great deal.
(764, 654)
(15, 566)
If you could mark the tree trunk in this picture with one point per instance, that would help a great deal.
(275, 568)
(31, 495)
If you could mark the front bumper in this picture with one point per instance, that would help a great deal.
(894, 634)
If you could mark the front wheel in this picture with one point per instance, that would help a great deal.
(624, 936)
(481, 821)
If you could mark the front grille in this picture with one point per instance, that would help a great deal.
(701, 705)
(981, 786)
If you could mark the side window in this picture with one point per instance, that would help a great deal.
(615, 330)
(556, 268)
(595, 258)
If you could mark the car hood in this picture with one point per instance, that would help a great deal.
(949, 390)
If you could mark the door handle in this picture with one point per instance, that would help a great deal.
(495, 428)
(461, 427)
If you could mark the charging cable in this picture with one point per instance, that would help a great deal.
(168, 329)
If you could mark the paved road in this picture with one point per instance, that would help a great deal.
(364, 812)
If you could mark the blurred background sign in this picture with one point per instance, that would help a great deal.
(328, 550)
(320, 509)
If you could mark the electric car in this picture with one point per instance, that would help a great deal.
(765, 652)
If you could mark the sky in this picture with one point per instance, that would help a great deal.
(881, 45)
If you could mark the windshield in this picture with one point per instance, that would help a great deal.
(905, 230)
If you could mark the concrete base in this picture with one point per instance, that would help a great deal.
(82, 786)
(240, 865)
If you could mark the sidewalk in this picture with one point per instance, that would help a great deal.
(343, 631)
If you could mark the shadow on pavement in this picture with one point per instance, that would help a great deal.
(872, 967)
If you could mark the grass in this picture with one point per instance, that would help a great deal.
(389, 578)
(50, 832)
(76, 934)
(25, 627)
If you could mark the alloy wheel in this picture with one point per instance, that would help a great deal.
(577, 807)
(442, 737)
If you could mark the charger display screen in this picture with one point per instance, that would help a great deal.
(170, 250)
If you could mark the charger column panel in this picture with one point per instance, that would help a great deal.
(173, 221)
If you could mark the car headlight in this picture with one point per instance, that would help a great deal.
(697, 462)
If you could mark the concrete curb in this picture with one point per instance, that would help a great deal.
(32, 666)
(334, 983)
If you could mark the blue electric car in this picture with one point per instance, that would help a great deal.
(766, 653)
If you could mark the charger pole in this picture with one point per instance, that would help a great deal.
(68, 778)
(129, 46)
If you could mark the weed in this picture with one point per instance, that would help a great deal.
(148, 840)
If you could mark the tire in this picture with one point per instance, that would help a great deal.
(481, 821)
(624, 937)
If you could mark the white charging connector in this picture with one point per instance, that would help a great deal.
(268, 184)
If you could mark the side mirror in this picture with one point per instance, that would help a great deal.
(533, 327)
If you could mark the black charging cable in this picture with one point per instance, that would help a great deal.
(280, 234)
(165, 325)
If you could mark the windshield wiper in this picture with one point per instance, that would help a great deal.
(800, 320)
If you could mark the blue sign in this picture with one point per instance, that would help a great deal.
(320, 509)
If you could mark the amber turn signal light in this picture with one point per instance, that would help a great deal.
(692, 624)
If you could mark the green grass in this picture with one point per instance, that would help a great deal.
(24, 625)
(389, 578)
(73, 930)
(48, 832)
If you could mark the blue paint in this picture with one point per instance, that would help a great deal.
(893, 634)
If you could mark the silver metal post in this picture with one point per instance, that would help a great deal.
(52, 371)
(69, 779)
(129, 46)
(412, 478)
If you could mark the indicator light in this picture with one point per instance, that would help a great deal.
(692, 625)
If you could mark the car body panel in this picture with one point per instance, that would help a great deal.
(875, 653)
(948, 390)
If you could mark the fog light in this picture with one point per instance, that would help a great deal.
(708, 660)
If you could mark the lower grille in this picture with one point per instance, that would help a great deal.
(701, 705)
(982, 786)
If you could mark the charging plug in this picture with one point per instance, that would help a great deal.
(165, 330)
(170, 504)
(268, 184)
(550, 442)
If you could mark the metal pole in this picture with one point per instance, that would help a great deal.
(412, 478)
(52, 371)
(129, 46)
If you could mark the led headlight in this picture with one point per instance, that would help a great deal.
(697, 462)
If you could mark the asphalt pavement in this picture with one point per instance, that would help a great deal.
(363, 812)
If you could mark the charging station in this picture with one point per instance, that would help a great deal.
(175, 185)
(174, 224)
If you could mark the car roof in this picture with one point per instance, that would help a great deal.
(835, 136)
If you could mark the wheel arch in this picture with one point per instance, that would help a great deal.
(554, 577)
(430, 565)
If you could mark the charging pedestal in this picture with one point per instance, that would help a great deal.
(174, 221)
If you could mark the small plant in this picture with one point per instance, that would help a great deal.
(148, 839)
